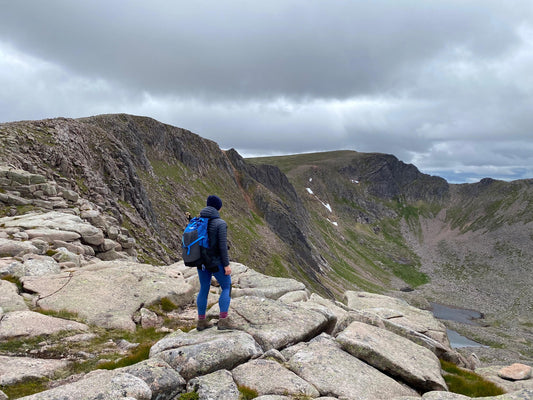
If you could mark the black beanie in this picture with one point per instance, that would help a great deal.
(214, 201)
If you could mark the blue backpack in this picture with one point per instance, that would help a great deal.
(195, 243)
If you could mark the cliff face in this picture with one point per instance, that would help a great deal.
(389, 178)
(276, 200)
(148, 175)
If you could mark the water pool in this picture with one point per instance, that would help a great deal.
(461, 315)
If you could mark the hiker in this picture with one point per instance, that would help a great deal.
(218, 243)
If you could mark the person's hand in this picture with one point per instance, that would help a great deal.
(227, 270)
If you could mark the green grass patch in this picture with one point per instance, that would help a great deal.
(167, 304)
(247, 393)
(145, 337)
(140, 353)
(84, 189)
(64, 314)
(51, 252)
(277, 268)
(25, 209)
(410, 274)
(287, 163)
(25, 388)
(146, 258)
(468, 383)
(347, 272)
(390, 229)
(56, 348)
(21, 346)
(408, 211)
(189, 396)
(175, 171)
(398, 250)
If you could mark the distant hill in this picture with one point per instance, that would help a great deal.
(336, 220)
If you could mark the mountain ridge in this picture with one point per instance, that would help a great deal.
(364, 220)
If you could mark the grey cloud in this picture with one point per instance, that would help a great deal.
(444, 84)
(249, 49)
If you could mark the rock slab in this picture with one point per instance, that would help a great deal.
(394, 355)
(399, 315)
(270, 377)
(58, 221)
(99, 385)
(10, 300)
(273, 324)
(336, 373)
(164, 382)
(218, 385)
(16, 369)
(200, 353)
(108, 293)
(515, 372)
(29, 323)
(252, 283)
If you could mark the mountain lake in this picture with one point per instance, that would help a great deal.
(461, 315)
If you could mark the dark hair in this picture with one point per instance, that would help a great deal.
(214, 201)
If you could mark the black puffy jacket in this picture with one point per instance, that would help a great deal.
(218, 235)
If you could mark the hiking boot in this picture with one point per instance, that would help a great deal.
(202, 324)
(223, 324)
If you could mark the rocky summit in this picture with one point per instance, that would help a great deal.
(336, 258)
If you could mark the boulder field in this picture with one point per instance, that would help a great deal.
(284, 342)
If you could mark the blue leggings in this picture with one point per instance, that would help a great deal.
(205, 284)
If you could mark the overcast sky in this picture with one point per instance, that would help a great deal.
(444, 84)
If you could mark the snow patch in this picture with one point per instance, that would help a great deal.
(333, 222)
(324, 204)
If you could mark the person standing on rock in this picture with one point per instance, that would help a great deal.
(218, 244)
